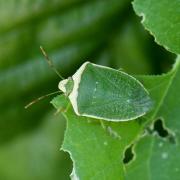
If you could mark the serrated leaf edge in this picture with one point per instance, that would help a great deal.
(143, 20)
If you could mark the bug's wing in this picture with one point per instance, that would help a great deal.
(108, 94)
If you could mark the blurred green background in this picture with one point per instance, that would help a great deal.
(106, 32)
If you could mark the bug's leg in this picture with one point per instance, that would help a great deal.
(102, 124)
(58, 111)
(113, 133)
(120, 69)
(67, 107)
(62, 109)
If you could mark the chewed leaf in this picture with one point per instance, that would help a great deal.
(157, 152)
(97, 153)
(162, 19)
(105, 93)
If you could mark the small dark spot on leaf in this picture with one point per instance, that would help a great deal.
(128, 154)
(158, 126)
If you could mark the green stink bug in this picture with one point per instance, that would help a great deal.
(104, 93)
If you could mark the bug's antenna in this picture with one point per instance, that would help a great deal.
(40, 98)
(49, 61)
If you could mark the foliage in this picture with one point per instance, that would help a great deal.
(72, 32)
(161, 18)
(98, 152)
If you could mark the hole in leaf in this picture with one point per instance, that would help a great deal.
(128, 154)
(158, 126)
(162, 132)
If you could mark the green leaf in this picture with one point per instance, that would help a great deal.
(155, 153)
(98, 152)
(71, 31)
(155, 159)
(162, 19)
(70, 34)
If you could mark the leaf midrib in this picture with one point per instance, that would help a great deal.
(166, 90)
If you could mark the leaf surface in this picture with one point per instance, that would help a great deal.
(162, 19)
(155, 153)
(98, 152)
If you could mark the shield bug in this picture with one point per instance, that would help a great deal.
(101, 92)
(104, 93)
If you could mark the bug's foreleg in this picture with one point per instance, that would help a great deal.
(102, 124)
(62, 110)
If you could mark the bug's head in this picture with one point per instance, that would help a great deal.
(66, 86)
